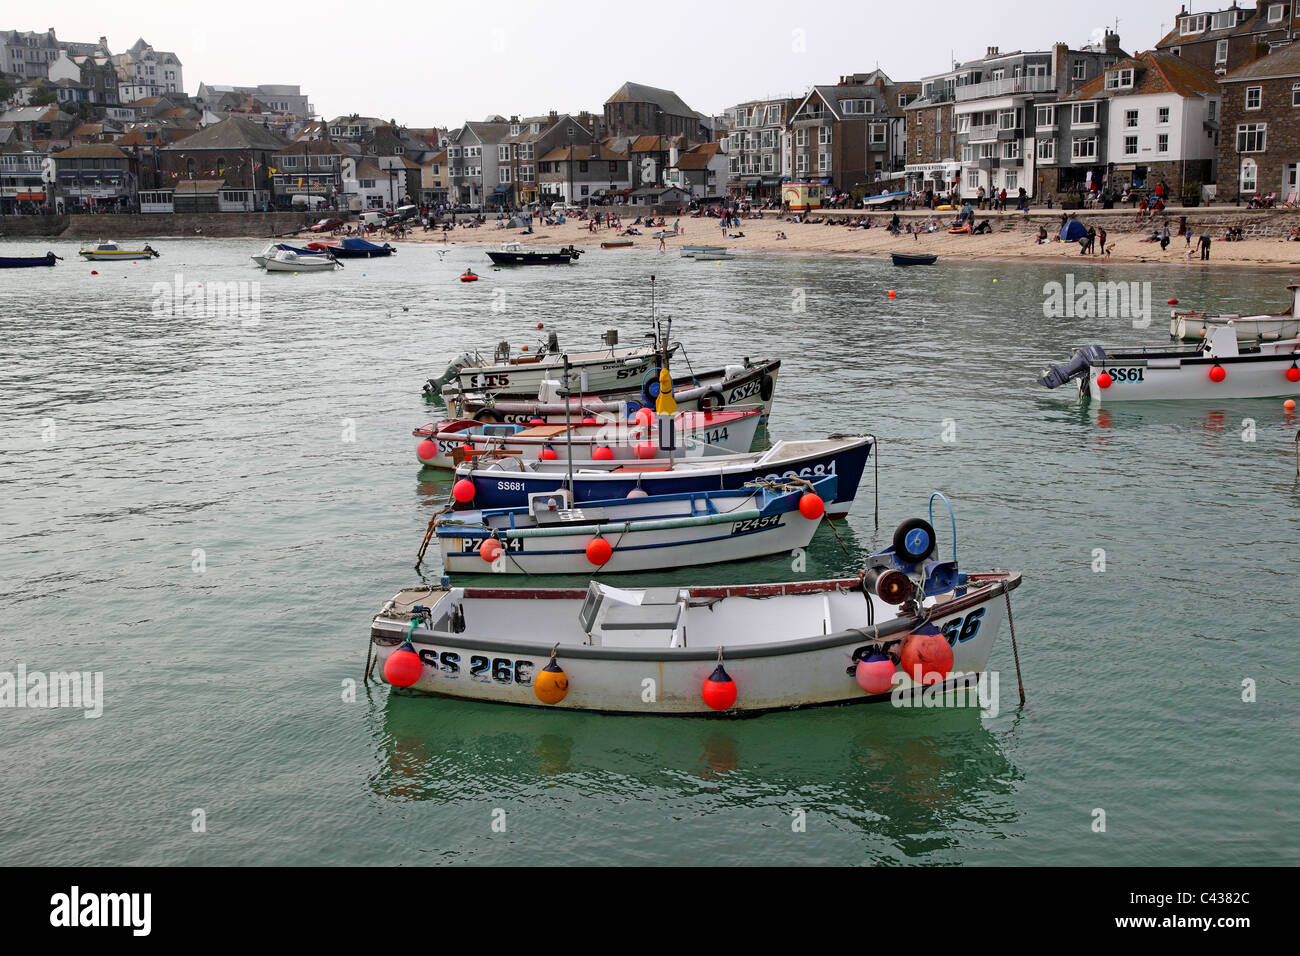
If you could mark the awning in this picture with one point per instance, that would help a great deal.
(30, 197)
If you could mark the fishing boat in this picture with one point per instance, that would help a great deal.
(743, 385)
(514, 254)
(507, 481)
(602, 369)
(275, 247)
(111, 251)
(552, 535)
(615, 243)
(1219, 367)
(27, 262)
(885, 200)
(906, 259)
(691, 251)
(446, 444)
(911, 625)
(1193, 326)
(286, 261)
(354, 248)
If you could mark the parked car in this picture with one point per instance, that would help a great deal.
(405, 213)
(327, 225)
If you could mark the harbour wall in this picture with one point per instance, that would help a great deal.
(155, 226)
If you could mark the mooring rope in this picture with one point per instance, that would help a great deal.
(1011, 623)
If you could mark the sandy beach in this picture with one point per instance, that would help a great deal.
(1014, 236)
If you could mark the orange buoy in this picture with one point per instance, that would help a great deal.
(490, 550)
(602, 453)
(811, 506)
(893, 294)
(1173, 301)
(1293, 373)
(551, 683)
(926, 656)
(1218, 373)
(719, 691)
(599, 551)
(646, 450)
(403, 667)
(548, 454)
(1289, 404)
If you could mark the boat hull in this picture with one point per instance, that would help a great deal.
(496, 486)
(606, 371)
(902, 259)
(794, 672)
(92, 256)
(26, 262)
(1171, 376)
(532, 258)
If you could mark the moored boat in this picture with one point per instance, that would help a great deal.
(275, 247)
(287, 261)
(507, 482)
(615, 243)
(514, 254)
(27, 262)
(908, 259)
(1194, 326)
(553, 536)
(691, 251)
(445, 444)
(354, 248)
(111, 251)
(909, 622)
(1218, 368)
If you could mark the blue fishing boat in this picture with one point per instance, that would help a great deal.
(25, 262)
(509, 480)
(354, 248)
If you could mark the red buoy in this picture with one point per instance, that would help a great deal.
(1293, 374)
(646, 450)
(875, 674)
(926, 656)
(426, 450)
(94, 272)
(490, 550)
(599, 551)
(811, 506)
(644, 416)
(403, 667)
(1218, 373)
(893, 294)
(1104, 380)
(534, 422)
(719, 691)
(589, 420)
(463, 491)
(602, 453)
(548, 454)
(1173, 301)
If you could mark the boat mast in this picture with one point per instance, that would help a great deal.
(568, 426)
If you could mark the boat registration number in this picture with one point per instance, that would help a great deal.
(755, 524)
(631, 371)
(510, 486)
(1127, 374)
(713, 437)
(498, 380)
(471, 545)
(502, 670)
(744, 391)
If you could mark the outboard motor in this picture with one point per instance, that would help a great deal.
(552, 343)
(1077, 367)
(502, 354)
(434, 385)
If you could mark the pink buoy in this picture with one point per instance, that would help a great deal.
(490, 550)
(644, 416)
(926, 656)
(875, 674)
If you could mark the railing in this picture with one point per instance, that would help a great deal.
(1003, 87)
(986, 132)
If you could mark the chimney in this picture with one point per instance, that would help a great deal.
(1112, 42)
(992, 51)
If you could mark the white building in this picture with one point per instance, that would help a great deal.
(143, 72)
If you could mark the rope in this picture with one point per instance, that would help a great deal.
(428, 534)
(838, 538)
(1006, 592)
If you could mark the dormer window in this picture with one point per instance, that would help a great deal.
(1119, 80)
(1224, 20)
(1193, 24)
(514, 130)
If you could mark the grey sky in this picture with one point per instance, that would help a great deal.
(428, 64)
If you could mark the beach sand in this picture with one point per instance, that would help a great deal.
(1014, 237)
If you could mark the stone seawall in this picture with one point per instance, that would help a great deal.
(156, 226)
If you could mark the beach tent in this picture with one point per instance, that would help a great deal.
(1073, 231)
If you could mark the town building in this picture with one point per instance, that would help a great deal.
(637, 110)
(232, 157)
(311, 172)
(271, 97)
(1225, 40)
(96, 176)
(758, 147)
(433, 179)
(1156, 117)
(24, 171)
(581, 174)
(701, 171)
(143, 71)
(1259, 142)
(472, 159)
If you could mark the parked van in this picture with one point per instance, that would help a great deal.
(308, 202)
(372, 218)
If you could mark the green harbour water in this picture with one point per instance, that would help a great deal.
(135, 444)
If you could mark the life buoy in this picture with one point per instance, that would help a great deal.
(914, 540)
(765, 387)
(650, 387)
(712, 400)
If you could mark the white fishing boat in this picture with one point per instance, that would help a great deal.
(909, 622)
(698, 434)
(112, 252)
(285, 260)
(553, 536)
(522, 373)
(273, 248)
(1194, 326)
(689, 252)
(1219, 367)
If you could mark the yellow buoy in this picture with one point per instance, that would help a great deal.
(551, 683)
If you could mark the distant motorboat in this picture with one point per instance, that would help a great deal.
(514, 254)
(275, 247)
(1195, 326)
(112, 252)
(689, 251)
(615, 243)
(353, 248)
(286, 261)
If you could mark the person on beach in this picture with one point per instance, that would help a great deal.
(1042, 235)
(979, 195)
(1101, 237)
(663, 246)
(1205, 245)
(1164, 238)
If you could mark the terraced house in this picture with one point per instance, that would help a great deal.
(758, 147)
(531, 138)
(473, 160)
(850, 135)
(1259, 143)
(1226, 40)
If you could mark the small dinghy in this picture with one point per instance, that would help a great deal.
(111, 252)
(690, 251)
(507, 482)
(27, 262)
(446, 444)
(1219, 368)
(468, 276)
(910, 625)
(615, 243)
(287, 261)
(906, 259)
(353, 248)
(553, 536)
(514, 254)
(1194, 326)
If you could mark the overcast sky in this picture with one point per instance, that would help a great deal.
(438, 64)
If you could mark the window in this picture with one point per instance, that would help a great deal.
(1079, 70)
(1130, 118)
(823, 162)
(1162, 143)
(1295, 94)
(1046, 151)
(1011, 149)
(1224, 20)
(967, 153)
(1211, 110)
(1221, 52)
(1130, 145)
(1083, 114)
(514, 129)
(963, 123)
(1251, 137)
(1162, 115)
(1249, 173)
(505, 174)
(1254, 96)
(801, 136)
(1193, 24)
(1276, 11)
(801, 161)
(1047, 117)
(877, 134)
(1176, 50)
(503, 154)
(918, 147)
(1011, 180)
(1083, 147)
(1007, 120)
(823, 136)
(1119, 80)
